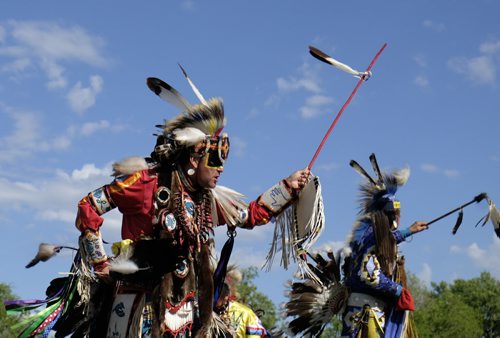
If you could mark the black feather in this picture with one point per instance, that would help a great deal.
(362, 171)
(376, 168)
(459, 221)
(318, 54)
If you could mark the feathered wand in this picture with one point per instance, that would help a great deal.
(493, 214)
(363, 76)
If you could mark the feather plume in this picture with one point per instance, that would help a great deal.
(193, 87)
(209, 118)
(167, 93)
(129, 166)
(314, 301)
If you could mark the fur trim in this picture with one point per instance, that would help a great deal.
(129, 166)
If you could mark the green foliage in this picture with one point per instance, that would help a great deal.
(446, 315)
(256, 300)
(334, 328)
(464, 308)
(6, 321)
(483, 295)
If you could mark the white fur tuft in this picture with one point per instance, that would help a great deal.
(129, 166)
(189, 136)
(125, 267)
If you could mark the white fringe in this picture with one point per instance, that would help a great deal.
(230, 203)
(293, 239)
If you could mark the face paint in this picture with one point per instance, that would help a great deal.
(217, 151)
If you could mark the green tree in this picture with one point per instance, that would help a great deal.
(446, 315)
(6, 321)
(334, 328)
(483, 295)
(257, 301)
(420, 293)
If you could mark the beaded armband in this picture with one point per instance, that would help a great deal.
(94, 247)
(101, 201)
(277, 197)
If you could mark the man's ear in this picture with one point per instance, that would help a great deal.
(194, 161)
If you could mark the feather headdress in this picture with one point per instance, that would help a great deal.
(376, 194)
(197, 123)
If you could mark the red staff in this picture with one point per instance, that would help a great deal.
(363, 76)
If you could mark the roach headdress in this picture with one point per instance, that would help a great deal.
(379, 194)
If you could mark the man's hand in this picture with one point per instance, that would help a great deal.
(101, 270)
(299, 179)
(418, 226)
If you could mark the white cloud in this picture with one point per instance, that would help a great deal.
(435, 26)
(433, 169)
(421, 81)
(420, 60)
(3, 34)
(88, 171)
(57, 215)
(238, 146)
(425, 275)
(451, 173)
(429, 168)
(28, 136)
(48, 40)
(90, 128)
(328, 167)
(492, 47)
(48, 45)
(188, 5)
(307, 80)
(17, 66)
(55, 73)
(313, 106)
(53, 197)
(24, 136)
(292, 84)
(483, 258)
(479, 69)
(82, 98)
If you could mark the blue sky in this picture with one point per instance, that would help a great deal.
(73, 99)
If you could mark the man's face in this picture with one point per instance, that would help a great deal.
(207, 177)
